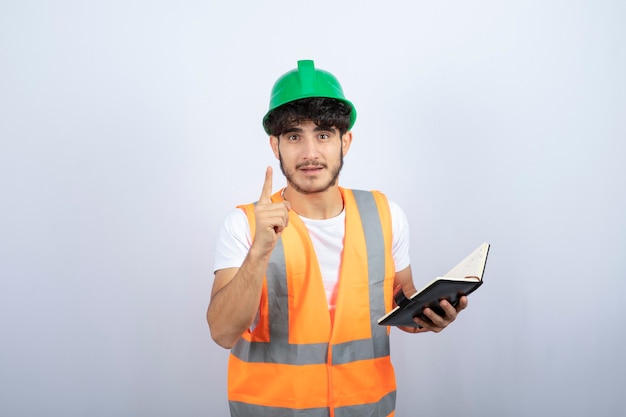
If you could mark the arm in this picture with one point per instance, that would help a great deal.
(237, 291)
(235, 299)
(404, 281)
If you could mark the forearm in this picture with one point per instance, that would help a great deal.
(234, 306)
(237, 292)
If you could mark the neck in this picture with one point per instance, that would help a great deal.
(318, 206)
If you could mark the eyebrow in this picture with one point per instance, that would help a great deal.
(317, 129)
(292, 130)
(326, 128)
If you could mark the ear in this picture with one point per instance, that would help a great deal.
(346, 141)
(274, 145)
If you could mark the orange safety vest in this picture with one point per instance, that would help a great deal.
(299, 362)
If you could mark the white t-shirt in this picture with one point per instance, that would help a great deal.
(234, 241)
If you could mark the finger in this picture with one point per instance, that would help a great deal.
(287, 207)
(266, 192)
(439, 321)
(274, 216)
(433, 317)
(462, 303)
(448, 309)
(420, 330)
(411, 329)
(427, 325)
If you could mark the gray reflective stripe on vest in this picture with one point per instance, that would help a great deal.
(381, 408)
(279, 350)
(356, 350)
(238, 409)
(375, 243)
(378, 409)
(277, 293)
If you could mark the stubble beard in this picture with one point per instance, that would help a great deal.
(333, 178)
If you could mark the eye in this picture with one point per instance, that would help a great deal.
(324, 136)
(293, 138)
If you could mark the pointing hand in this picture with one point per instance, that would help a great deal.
(271, 218)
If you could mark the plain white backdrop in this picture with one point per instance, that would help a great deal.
(129, 129)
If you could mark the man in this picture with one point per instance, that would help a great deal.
(303, 274)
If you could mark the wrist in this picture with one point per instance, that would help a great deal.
(259, 252)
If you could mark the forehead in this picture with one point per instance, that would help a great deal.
(307, 126)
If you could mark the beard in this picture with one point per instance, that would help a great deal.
(289, 175)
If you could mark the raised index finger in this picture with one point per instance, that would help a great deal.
(266, 193)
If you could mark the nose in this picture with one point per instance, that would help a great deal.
(310, 151)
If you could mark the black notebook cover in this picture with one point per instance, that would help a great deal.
(469, 277)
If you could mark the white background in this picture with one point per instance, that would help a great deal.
(130, 128)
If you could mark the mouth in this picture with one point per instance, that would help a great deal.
(311, 169)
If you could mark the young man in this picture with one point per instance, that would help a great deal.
(303, 274)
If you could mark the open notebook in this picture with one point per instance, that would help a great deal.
(463, 279)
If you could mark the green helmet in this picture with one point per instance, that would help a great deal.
(305, 82)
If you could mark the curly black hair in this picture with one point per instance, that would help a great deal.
(326, 112)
